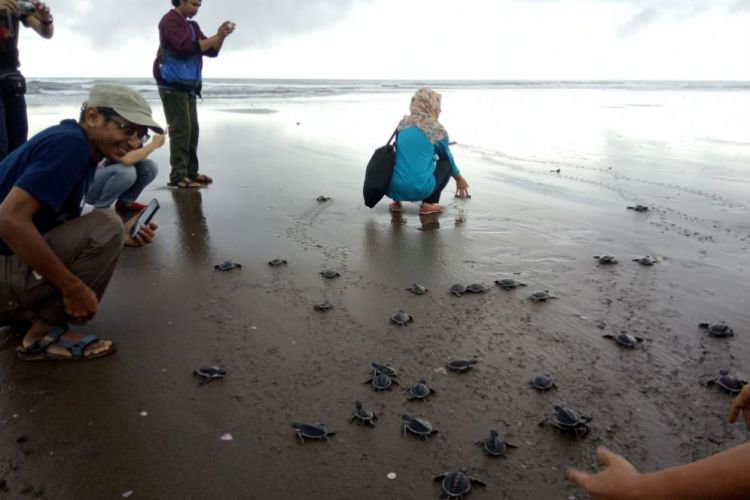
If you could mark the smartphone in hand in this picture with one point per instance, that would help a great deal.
(145, 217)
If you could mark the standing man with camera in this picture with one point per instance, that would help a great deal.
(34, 14)
(178, 73)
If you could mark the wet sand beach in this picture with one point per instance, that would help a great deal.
(139, 422)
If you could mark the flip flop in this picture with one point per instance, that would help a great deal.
(394, 207)
(203, 179)
(38, 350)
(184, 184)
(432, 209)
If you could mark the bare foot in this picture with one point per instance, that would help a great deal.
(41, 328)
(430, 208)
(395, 206)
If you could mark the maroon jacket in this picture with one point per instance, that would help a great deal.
(176, 37)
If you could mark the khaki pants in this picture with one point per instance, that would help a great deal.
(89, 246)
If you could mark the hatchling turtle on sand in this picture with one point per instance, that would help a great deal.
(417, 426)
(606, 259)
(312, 431)
(329, 274)
(381, 382)
(420, 390)
(478, 288)
(569, 420)
(639, 208)
(729, 383)
(276, 262)
(461, 365)
(227, 265)
(323, 199)
(388, 370)
(625, 339)
(362, 416)
(458, 289)
(417, 289)
(323, 306)
(210, 373)
(494, 445)
(646, 261)
(509, 283)
(717, 329)
(541, 296)
(401, 318)
(543, 382)
(457, 484)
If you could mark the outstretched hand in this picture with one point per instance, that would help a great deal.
(226, 29)
(462, 188)
(619, 481)
(741, 404)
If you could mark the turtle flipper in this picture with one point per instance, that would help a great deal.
(477, 481)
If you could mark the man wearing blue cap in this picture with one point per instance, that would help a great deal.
(55, 263)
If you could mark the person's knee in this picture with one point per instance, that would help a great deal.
(148, 169)
(108, 229)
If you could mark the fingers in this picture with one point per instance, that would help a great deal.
(607, 457)
(747, 419)
(735, 412)
(579, 477)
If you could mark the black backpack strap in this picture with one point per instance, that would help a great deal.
(393, 137)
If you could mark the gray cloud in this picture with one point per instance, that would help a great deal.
(741, 6)
(261, 22)
(644, 18)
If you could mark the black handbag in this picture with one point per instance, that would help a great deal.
(12, 83)
(379, 172)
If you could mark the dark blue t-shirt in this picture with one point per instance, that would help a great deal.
(55, 167)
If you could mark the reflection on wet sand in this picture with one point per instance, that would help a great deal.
(191, 224)
(429, 222)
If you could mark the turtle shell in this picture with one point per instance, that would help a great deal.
(458, 289)
(540, 295)
(381, 381)
(323, 306)
(401, 318)
(420, 390)
(329, 274)
(646, 261)
(606, 259)
(639, 208)
(417, 425)
(276, 262)
(729, 383)
(567, 417)
(625, 339)
(542, 382)
(508, 283)
(361, 414)
(417, 289)
(456, 484)
(227, 265)
(718, 329)
(494, 445)
(477, 288)
(323, 198)
(210, 373)
(461, 365)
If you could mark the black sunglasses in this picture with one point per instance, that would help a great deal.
(130, 130)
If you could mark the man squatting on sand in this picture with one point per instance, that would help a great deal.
(55, 263)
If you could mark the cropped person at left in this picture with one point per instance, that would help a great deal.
(14, 127)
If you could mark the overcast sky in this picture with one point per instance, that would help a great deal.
(412, 39)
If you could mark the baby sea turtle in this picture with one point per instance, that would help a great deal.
(401, 318)
(543, 382)
(362, 416)
(569, 420)
(329, 274)
(322, 198)
(420, 390)
(509, 283)
(323, 306)
(227, 265)
(312, 431)
(461, 365)
(639, 208)
(718, 329)
(417, 289)
(381, 382)
(541, 296)
(478, 288)
(388, 370)
(457, 484)
(646, 261)
(494, 445)
(458, 289)
(210, 373)
(625, 339)
(606, 259)
(417, 426)
(276, 262)
(732, 385)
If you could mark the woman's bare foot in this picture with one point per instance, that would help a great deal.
(40, 328)
(395, 206)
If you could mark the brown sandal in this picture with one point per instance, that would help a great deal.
(185, 184)
(203, 179)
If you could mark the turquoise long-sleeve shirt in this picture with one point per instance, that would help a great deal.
(414, 173)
